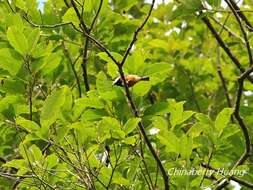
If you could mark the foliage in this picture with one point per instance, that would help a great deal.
(65, 126)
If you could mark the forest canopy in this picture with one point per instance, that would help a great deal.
(126, 94)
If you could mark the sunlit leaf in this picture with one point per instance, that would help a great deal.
(18, 40)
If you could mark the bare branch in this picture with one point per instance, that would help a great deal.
(136, 34)
(225, 47)
(96, 16)
(83, 25)
(86, 32)
(242, 30)
(248, 149)
(241, 14)
(228, 30)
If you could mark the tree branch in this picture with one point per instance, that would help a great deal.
(96, 16)
(228, 30)
(134, 39)
(86, 32)
(73, 69)
(45, 25)
(247, 151)
(241, 14)
(242, 30)
(225, 47)
(82, 24)
(131, 102)
(234, 178)
(222, 79)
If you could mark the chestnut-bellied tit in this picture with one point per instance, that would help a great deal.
(131, 80)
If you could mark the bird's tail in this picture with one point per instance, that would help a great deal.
(145, 78)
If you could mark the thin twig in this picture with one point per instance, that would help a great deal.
(86, 32)
(248, 149)
(141, 155)
(10, 6)
(242, 30)
(96, 16)
(225, 47)
(82, 24)
(145, 178)
(73, 68)
(239, 118)
(228, 30)
(241, 14)
(66, 3)
(234, 178)
(208, 163)
(134, 39)
(222, 79)
(45, 25)
(84, 64)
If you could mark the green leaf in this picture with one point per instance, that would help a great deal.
(203, 118)
(135, 63)
(112, 68)
(131, 140)
(93, 114)
(142, 88)
(7, 101)
(70, 16)
(159, 108)
(215, 3)
(102, 83)
(157, 72)
(186, 146)
(105, 88)
(21, 4)
(177, 113)
(52, 107)
(10, 61)
(12, 86)
(223, 118)
(192, 5)
(17, 40)
(92, 102)
(51, 161)
(82, 129)
(177, 110)
(62, 131)
(187, 115)
(35, 153)
(118, 179)
(111, 127)
(19, 164)
(131, 124)
(15, 20)
(171, 141)
(107, 59)
(33, 39)
(126, 5)
(51, 63)
(29, 125)
(157, 43)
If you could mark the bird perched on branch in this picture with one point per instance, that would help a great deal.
(131, 80)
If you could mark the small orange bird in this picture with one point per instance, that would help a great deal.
(130, 79)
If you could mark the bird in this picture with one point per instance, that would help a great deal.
(131, 80)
